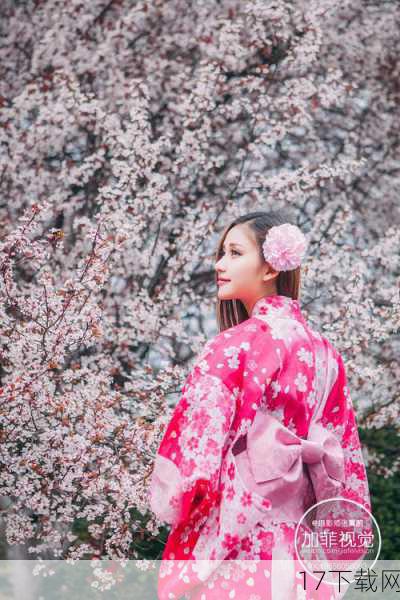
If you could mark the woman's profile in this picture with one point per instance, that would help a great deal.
(264, 428)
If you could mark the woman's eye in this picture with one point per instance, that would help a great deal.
(233, 252)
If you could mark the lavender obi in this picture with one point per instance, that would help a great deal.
(292, 472)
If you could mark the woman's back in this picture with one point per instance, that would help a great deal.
(264, 429)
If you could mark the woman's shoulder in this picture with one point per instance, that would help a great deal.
(330, 348)
(242, 334)
(226, 354)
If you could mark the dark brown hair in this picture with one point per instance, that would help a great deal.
(233, 312)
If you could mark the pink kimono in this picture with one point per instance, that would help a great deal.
(264, 428)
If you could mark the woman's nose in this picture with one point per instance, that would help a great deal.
(218, 265)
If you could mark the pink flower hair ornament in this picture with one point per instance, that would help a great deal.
(284, 247)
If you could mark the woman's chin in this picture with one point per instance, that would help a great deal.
(224, 294)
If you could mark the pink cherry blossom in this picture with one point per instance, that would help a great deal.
(131, 134)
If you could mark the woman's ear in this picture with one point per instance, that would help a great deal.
(270, 273)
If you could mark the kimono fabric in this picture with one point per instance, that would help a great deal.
(265, 428)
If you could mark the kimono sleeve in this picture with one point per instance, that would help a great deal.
(339, 415)
(187, 466)
(339, 412)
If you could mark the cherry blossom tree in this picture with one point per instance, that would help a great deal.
(131, 132)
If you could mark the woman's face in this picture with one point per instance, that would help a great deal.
(249, 277)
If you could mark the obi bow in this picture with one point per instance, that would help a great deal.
(274, 462)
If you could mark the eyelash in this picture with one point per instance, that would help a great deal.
(238, 253)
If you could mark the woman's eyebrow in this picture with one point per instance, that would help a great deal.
(232, 244)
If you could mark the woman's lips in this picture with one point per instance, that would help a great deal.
(222, 281)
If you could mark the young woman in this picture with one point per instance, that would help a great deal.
(264, 429)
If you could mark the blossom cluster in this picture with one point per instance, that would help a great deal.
(130, 134)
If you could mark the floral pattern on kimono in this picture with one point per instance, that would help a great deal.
(262, 398)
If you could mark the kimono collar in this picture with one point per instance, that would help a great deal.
(279, 306)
